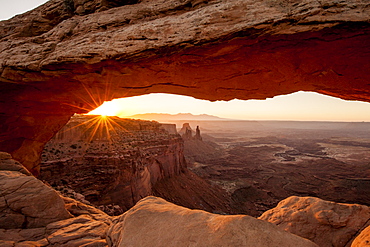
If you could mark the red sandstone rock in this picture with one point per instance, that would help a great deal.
(155, 222)
(190, 191)
(325, 223)
(152, 222)
(26, 202)
(33, 214)
(363, 239)
(138, 159)
(68, 57)
(78, 231)
(116, 166)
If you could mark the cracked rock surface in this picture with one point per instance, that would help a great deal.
(179, 226)
(26, 202)
(36, 215)
(33, 214)
(323, 222)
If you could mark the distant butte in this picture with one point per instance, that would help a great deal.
(67, 57)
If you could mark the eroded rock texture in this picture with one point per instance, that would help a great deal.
(117, 163)
(26, 202)
(325, 223)
(363, 239)
(123, 161)
(69, 56)
(178, 226)
(33, 214)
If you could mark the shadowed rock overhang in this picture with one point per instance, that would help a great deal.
(68, 57)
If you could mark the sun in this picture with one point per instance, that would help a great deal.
(108, 108)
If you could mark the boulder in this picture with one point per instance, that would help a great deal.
(77, 231)
(26, 202)
(323, 222)
(33, 214)
(156, 222)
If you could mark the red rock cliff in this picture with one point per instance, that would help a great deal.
(67, 57)
(118, 162)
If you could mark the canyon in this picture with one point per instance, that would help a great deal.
(260, 163)
(33, 214)
(113, 163)
(254, 168)
(66, 61)
(68, 57)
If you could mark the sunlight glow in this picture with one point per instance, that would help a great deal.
(300, 106)
(100, 127)
(108, 108)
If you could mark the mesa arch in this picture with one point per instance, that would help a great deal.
(68, 57)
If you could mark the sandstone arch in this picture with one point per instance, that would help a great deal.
(54, 67)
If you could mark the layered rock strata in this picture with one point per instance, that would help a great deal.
(33, 214)
(18, 189)
(127, 161)
(153, 221)
(68, 57)
(325, 223)
(112, 161)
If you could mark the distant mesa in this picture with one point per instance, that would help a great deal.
(161, 117)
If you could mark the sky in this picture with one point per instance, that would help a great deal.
(296, 106)
(10, 8)
(301, 106)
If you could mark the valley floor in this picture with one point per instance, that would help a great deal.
(262, 166)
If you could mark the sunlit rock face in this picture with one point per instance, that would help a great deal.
(362, 239)
(33, 214)
(112, 161)
(67, 57)
(323, 222)
(156, 222)
(26, 202)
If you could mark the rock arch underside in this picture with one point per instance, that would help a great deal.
(67, 57)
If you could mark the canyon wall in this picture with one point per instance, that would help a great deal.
(112, 161)
(116, 162)
(68, 57)
(37, 215)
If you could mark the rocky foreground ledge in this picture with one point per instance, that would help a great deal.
(33, 214)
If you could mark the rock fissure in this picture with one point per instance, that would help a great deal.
(359, 230)
(16, 189)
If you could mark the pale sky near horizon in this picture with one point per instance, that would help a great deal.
(8, 9)
(297, 106)
(304, 106)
